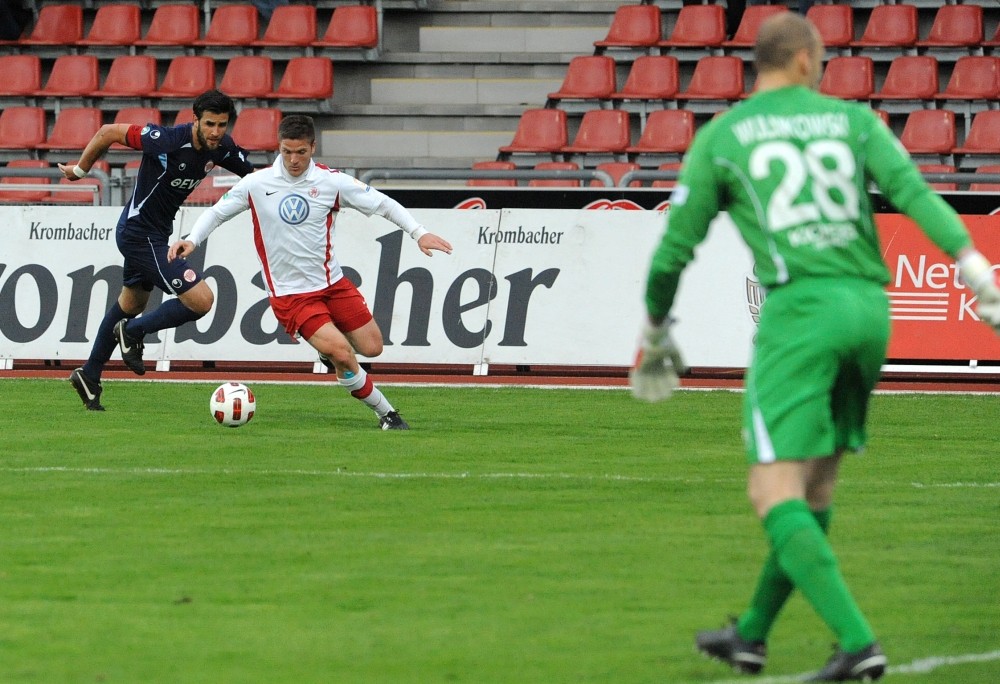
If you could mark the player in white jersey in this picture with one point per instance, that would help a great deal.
(294, 204)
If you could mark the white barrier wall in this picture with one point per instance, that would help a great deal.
(523, 286)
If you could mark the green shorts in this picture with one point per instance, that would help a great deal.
(819, 351)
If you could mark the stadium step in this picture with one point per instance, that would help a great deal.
(484, 91)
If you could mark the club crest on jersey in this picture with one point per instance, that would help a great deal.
(209, 166)
(293, 209)
(314, 192)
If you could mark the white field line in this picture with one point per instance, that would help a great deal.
(378, 475)
(916, 667)
(324, 379)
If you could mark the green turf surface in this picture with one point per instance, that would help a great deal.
(513, 535)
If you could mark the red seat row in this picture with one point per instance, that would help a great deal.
(888, 26)
(134, 76)
(351, 26)
(24, 128)
(722, 78)
(669, 131)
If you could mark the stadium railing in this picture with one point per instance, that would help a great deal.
(102, 192)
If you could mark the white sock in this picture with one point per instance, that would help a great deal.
(361, 387)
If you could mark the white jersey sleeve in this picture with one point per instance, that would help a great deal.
(234, 202)
(369, 201)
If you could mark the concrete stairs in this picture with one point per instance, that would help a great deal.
(453, 80)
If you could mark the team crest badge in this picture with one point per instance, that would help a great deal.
(314, 192)
(209, 166)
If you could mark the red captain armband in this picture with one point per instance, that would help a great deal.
(133, 137)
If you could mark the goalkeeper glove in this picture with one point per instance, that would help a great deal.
(659, 362)
(978, 274)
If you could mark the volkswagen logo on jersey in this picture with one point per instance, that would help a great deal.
(293, 209)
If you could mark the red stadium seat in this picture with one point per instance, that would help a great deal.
(667, 131)
(73, 129)
(212, 188)
(248, 76)
(22, 128)
(633, 26)
(56, 25)
(849, 78)
(889, 26)
(184, 116)
(697, 26)
(955, 26)
(187, 77)
(129, 76)
(939, 168)
(22, 75)
(910, 77)
(178, 25)
(604, 131)
(984, 134)
(590, 77)
(256, 129)
(973, 78)
(652, 77)
(71, 76)
(753, 17)
(555, 182)
(616, 170)
(716, 78)
(835, 24)
(492, 166)
(232, 25)
(986, 187)
(672, 166)
(24, 196)
(351, 26)
(306, 78)
(929, 131)
(539, 131)
(290, 26)
(114, 25)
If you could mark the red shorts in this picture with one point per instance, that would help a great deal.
(304, 314)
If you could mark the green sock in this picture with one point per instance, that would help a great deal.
(806, 557)
(773, 590)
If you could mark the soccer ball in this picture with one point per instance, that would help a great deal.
(232, 404)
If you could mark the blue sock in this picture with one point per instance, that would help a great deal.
(104, 343)
(169, 314)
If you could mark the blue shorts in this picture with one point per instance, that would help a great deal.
(146, 265)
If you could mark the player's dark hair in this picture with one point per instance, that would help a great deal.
(297, 127)
(780, 38)
(216, 102)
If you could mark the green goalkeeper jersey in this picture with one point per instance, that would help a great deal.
(792, 169)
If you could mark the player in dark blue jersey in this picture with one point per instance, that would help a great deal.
(174, 161)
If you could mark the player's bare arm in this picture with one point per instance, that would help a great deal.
(106, 136)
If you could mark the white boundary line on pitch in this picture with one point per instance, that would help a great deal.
(500, 385)
(918, 666)
(377, 475)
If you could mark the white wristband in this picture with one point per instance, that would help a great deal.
(78, 172)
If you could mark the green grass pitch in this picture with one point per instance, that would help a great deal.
(512, 536)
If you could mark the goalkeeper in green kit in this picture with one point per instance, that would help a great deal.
(792, 167)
